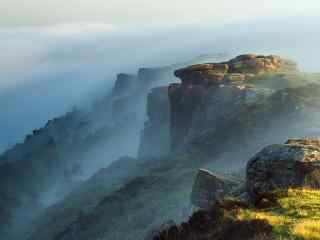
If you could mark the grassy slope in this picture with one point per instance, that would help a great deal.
(296, 216)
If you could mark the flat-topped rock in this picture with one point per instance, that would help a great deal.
(238, 69)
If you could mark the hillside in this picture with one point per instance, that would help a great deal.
(162, 132)
(294, 216)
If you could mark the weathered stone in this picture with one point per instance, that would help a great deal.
(210, 188)
(184, 101)
(195, 107)
(238, 69)
(234, 77)
(219, 91)
(279, 167)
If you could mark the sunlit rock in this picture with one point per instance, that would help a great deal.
(279, 167)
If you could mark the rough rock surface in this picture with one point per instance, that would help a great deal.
(219, 91)
(210, 188)
(155, 137)
(279, 167)
(195, 109)
(184, 102)
(239, 69)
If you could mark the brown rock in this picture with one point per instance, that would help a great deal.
(234, 77)
(209, 74)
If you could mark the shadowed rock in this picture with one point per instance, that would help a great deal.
(155, 137)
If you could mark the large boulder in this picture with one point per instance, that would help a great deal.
(279, 167)
(210, 188)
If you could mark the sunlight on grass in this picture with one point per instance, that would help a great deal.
(296, 216)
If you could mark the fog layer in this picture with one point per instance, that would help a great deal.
(44, 71)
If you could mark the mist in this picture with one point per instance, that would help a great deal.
(45, 70)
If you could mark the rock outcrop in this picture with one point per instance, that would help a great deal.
(279, 167)
(237, 70)
(212, 94)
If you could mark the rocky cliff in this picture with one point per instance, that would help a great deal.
(211, 96)
(215, 118)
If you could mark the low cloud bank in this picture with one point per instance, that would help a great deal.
(47, 70)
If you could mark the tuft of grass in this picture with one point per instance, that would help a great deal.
(296, 215)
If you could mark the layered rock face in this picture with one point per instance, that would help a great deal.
(279, 167)
(214, 93)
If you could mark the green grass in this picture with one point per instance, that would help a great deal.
(296, 215)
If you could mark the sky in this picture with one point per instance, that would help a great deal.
(44, 12)
(58, 53)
